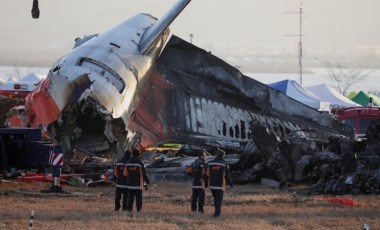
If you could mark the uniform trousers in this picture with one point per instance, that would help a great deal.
(131, 197)
(198, 196)
(218, 198)
(121, 193)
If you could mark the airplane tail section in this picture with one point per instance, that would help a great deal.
(154, 32)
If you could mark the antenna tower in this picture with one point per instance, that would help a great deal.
(300, 35)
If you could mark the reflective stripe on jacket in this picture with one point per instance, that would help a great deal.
(136, 173)
(199, 168)
(121, 180)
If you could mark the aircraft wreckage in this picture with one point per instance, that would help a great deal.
(116, 85)
(125, 89)
(189, 96)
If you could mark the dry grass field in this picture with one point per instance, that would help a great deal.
(166, 206)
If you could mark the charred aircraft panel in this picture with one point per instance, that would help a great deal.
(195, 97)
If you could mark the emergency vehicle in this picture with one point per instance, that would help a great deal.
(17, 88)
(359, 118)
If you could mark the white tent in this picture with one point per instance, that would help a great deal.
(2, 79)
(328, 94)
(294, 90)
(32, 77)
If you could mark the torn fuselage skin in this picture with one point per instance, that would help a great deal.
(85, 125)
(196, 98)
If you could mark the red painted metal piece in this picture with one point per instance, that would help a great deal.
(345, 201)
(38, 101)
(40, 177)
(19, 117)
(145, 118)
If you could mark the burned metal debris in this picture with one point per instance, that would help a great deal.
(160, 167)
(6, 103)
(339, 166)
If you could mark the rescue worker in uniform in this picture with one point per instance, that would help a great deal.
(371, 133)
(137, 178)
(218, 173)
(121, 181)
(197, 170)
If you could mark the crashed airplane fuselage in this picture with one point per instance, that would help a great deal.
(114, 85)
(198, 98)
(102, 75)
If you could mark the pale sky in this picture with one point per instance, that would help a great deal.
(232, 30)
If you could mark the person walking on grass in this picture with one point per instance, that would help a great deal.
(137, 178)
(197, 170)
(218, 173)
(121, 182)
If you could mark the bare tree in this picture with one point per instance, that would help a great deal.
(344, 78)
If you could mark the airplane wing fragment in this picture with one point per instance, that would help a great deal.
(151, 35)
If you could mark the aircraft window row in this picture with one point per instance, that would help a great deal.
(241, 131)
(235, 131)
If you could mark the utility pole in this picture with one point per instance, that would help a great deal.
(300, 45)
(300, 35)
(191, 38)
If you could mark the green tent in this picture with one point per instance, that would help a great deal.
(363, 99)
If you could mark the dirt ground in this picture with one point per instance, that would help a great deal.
(166, 205)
